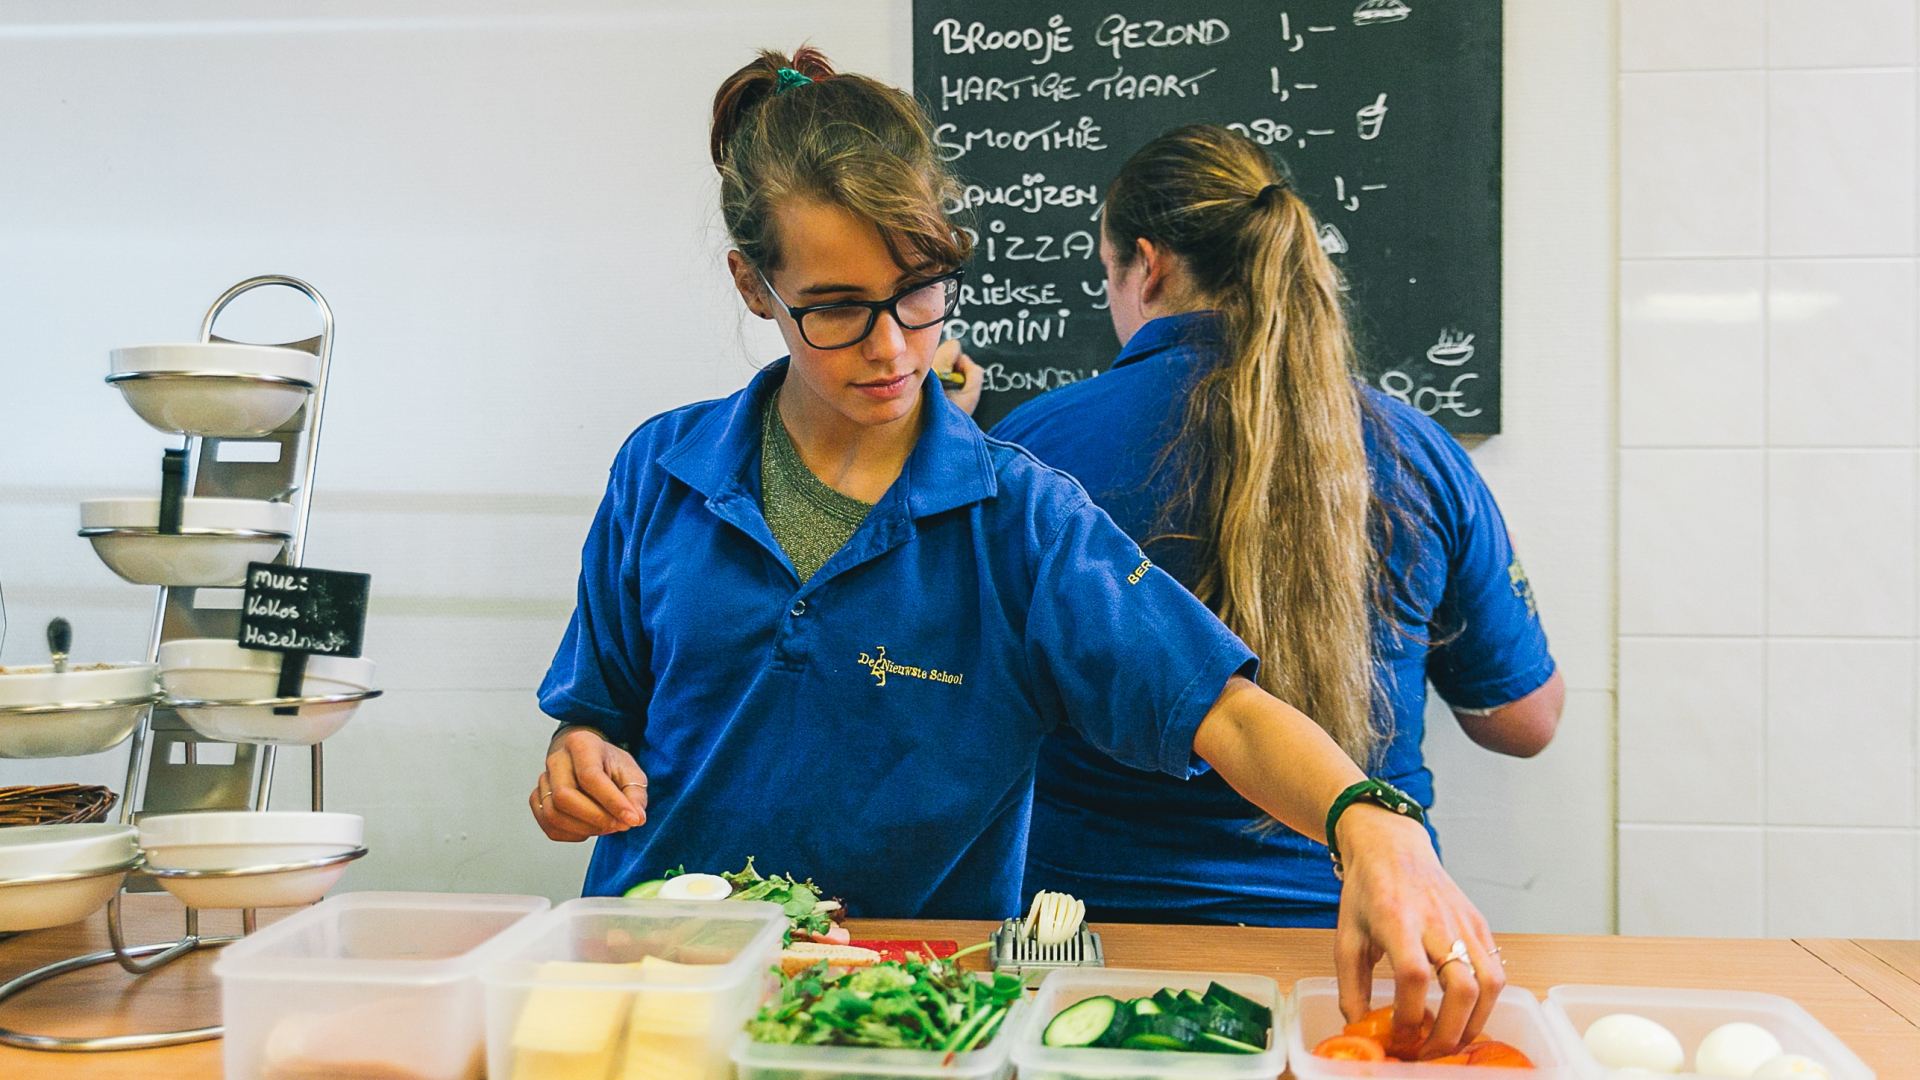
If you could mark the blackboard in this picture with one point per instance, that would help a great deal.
(1385, 115)
(294, 609)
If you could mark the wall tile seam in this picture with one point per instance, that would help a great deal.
(1758, 258)
(1787, 448)
(1834, 69)
(1764, 638)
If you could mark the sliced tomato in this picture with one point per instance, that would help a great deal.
(1497, 1055)
(1350, 1048)
(1378, 1026)
(1450, 1059)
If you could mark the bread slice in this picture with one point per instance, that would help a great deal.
(802, 955)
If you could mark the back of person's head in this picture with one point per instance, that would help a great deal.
(1275, 465)
(794, 128)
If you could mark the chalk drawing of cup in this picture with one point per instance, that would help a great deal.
(1452, 350)
(1371, 117)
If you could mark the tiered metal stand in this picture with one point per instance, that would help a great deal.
(162, 779)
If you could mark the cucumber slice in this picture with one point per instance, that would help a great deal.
(1082, 1023)
(1147, 1040)
(1225, 1023)
(646, 889)
(1220, 1044)
(1144, 1007)
(1255, 1013)
(1161, 1031)
(1192, 1004)
(1166, 999)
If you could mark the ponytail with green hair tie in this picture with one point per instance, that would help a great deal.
(789, 79)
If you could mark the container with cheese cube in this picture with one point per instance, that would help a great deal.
(615, 989)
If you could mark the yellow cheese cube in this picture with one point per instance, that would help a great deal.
(669, 1037)
(570, 1032)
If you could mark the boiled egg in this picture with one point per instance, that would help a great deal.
(695, 887)
(1791, 1067)
(1736, 1050)
(1627, 1041)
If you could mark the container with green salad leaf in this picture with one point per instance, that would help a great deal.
(914, 1019)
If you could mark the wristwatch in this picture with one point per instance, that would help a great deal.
(1377, 792)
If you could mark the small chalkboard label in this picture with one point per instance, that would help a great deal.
(297, 609)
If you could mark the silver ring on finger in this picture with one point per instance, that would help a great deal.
(545, 797)
(1457, 954)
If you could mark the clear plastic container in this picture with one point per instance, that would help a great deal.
(1068, 986)
(770, 1061)
(1313, 1014)
(1690, 1015)
(614, 989)
(368, 984)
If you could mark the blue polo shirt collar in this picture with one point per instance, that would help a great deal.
(949, 467)
(1192, 329)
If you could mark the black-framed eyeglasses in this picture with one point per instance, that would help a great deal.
(848, 322)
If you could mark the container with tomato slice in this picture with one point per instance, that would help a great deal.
(1322, 1045)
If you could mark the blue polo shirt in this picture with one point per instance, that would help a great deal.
(876, 728)
(1465, 621)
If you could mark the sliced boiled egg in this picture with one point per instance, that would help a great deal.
(1791, 1067)
(695, 887)
(1627, 1041)
(1736, 1050)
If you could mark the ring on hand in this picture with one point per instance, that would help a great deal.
(1456, 954)
(548, 794)
(624, 787)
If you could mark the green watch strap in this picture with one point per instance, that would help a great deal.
(1377, 792)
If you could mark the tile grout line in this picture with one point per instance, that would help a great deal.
(1766, 442)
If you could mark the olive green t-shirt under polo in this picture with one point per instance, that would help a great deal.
(809, 519)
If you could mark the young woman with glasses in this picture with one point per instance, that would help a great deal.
(826, 623)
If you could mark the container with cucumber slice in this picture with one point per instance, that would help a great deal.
(1217, 1022)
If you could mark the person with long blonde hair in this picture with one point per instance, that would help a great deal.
(825, 622)
(1341, 534)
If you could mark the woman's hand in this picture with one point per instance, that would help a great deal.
(1398, 904)
(949, 358)
(590, 788)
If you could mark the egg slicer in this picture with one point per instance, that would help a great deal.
(1017, 953)
(1053, 935)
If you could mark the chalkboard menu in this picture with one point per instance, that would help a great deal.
(1384, 114)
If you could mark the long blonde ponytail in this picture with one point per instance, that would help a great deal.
(1272, 457)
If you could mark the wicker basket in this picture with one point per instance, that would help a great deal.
(54, 804)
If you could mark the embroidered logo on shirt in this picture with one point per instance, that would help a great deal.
(1522, 588)
(883, 667)
(1140, 571)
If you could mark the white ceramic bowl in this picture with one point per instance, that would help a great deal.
(239, 840)
(31, 851)
(71, 732)
(216, 669)
(219, 538)
(221, 389)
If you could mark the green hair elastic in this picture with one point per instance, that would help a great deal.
(789, 79)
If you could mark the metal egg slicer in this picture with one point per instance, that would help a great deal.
(1053, 935)
(216, 392)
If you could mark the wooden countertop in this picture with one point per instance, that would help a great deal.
(1867, 992)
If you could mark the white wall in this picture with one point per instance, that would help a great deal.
(1530, 840)
(509, 206)
(1767, 431)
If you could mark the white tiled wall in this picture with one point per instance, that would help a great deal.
(1767, 556)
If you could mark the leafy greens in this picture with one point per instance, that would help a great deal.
(910, 1006)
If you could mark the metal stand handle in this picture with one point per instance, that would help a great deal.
(140, 960)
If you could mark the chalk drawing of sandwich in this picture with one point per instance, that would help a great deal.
(1380, 11)
(1453, 349)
